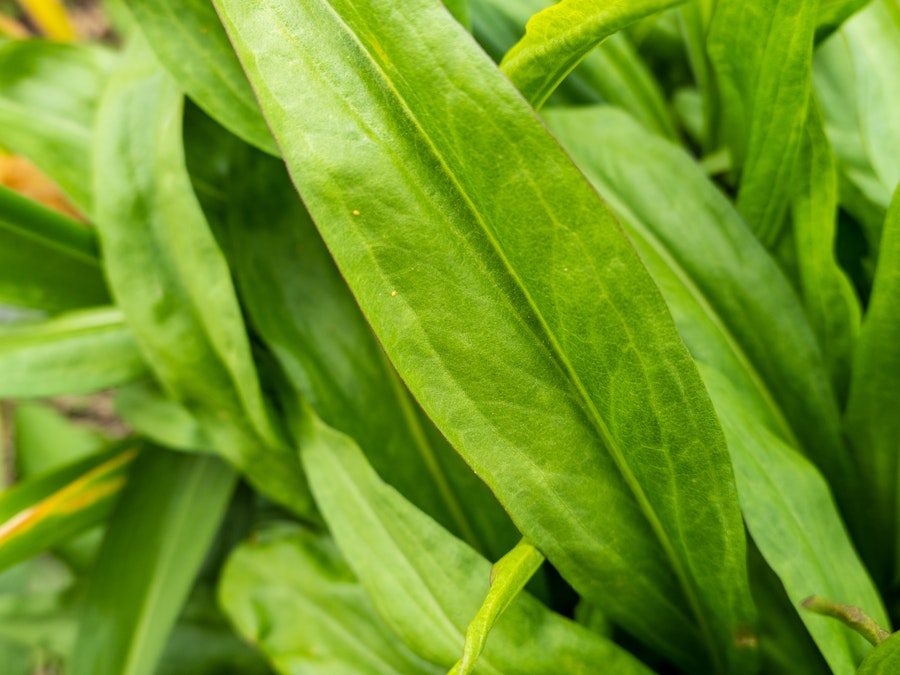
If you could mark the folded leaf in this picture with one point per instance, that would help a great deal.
(613, 72)
(75, 353)
(46, 510)
(508, 577)
(190, 42)
(761, 54)
(290, 593)
(152, 551)
(426, 583)
(832, 13)
(182, 309)
(468, 237)
(871, 419)
(48, 99)
(47, 261)
(559, 37)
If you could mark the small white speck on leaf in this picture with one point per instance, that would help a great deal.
(393, 294)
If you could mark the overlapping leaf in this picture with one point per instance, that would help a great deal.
(182, 308)
(512, 306)
(426, 583)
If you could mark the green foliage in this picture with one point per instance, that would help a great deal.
(372, 320)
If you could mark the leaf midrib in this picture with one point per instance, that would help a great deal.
(562, 363)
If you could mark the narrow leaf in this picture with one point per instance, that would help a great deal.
(871, 418)
(152, 551)
(182, 310)
(190, 42)
(761, 54)
(508, 577)
(75, 353)
(47, 261)
(147, 410)
(426, 583)
(44, 511)
(830, 299)
(581, 376)
(559, 37)
(289, 592)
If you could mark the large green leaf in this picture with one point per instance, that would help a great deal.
(301, 307)
(613, 72)
(153, 548)
(46, 510)
(832, 13)
(426, 583)
(47, 261)
(761, 53)
(290, 593)
(872, 421)
(48, 99)
(558, 38)
(509, 301)
(732, 305)
(75, 353)
(190, 42)
(182, 308)
(711, 274)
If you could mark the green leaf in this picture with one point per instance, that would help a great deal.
(46, 439)
(871, 418)
(581, 379)
(712, 275)
(832, 13)
(559, 37)
(426, 583)
(761, 54)
(733, 306)
(190, 42)
(831, 302)
(793, 520)
(47, 261)
(153, 548)
(182, 309)
(75, 353)
(48, 99)
(613, 72)
(884, 659)
(301, 307)
(39, 513)
(289, 592)
(147, 410)
(508, 577)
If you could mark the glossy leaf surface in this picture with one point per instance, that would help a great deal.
(452, 272)
(427, 584)
(558, 38)
(290, 592)
(871, 418)
(189, 40)
(47, 261)
(74, 353)
(46, 510)
(150, 556)
(48, 98)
